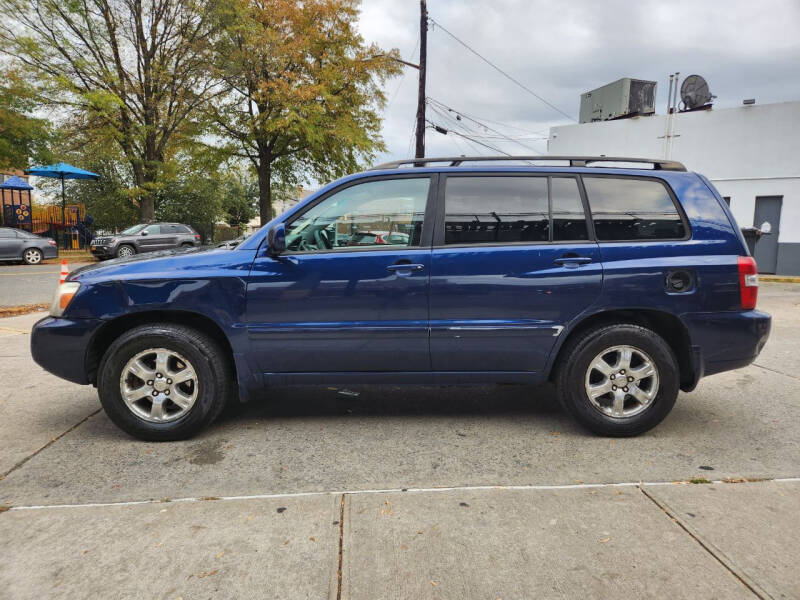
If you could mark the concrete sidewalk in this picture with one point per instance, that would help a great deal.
(652, 541)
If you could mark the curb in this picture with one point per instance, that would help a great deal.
(779, 278)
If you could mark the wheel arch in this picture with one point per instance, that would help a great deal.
(667, 325)
(108, 332)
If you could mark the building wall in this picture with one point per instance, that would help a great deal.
(746, 151)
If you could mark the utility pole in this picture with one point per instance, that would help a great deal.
(423, 57)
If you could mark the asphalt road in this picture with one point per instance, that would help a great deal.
(405, 492)
(29, 284)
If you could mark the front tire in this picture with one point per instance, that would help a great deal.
(32, 256)
(618, 380)
(125, 251)
(164, 382)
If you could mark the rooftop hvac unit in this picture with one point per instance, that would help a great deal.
(625, 97)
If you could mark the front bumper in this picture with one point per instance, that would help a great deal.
(722, 341)
(102, 251)
(50, 251)
(59, 346)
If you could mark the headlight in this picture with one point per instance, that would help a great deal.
(64, 294)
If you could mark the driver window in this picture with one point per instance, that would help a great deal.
(376, 213)
(153, 229)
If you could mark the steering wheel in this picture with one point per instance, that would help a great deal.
(322, 240)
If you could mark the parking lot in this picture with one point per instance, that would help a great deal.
(404, 492)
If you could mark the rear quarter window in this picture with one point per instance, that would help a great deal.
(633, 209)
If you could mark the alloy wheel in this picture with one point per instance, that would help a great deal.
(158, 385)
(621, 381)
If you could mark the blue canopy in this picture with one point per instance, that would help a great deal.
(62, 171)
(15, 183)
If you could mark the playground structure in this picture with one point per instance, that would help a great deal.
(67, 224)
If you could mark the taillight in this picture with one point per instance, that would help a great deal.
(197, 236)
(748, 282)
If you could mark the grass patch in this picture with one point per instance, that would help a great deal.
(699, 480)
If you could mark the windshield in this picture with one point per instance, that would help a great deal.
(135, 229)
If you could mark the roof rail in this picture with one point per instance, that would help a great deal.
(574, 161)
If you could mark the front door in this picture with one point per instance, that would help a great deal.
(350, 293)
(151, 239)
(768, 219)
(512, 265)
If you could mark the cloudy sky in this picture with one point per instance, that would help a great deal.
(560, 49)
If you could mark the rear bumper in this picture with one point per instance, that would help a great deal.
(722, 341)
(59, 346)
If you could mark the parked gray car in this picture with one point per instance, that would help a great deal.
(145, 237)
(16, 244)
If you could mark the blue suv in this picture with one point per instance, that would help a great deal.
(620, 280)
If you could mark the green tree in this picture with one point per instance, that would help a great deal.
(23, 138)
(239, 200)
(137, 72)
(301, 89)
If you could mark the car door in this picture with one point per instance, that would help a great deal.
(9, 243)
(169, 236)
(150, 239)
(325, 307)
(512, 264)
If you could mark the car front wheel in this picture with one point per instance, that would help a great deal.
(32, 256)
(618, 380)
(125, 250)
(164, 382)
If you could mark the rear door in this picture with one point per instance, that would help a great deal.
(513, 262)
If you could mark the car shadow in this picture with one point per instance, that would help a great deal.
(374, 400)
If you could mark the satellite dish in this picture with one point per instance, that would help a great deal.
(694, 92)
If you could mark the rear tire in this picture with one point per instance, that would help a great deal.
(133, 385)
(32, 256)
(618, 380)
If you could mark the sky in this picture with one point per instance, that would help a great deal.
(560, 49)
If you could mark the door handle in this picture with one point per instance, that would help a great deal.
(405, 267)
(572, 261)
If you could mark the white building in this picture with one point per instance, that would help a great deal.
(750, 153)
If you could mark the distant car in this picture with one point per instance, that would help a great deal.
(16, 244)
(230, 244)
(145, 238)
(377, 238)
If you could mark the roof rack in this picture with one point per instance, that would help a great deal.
(574, 161)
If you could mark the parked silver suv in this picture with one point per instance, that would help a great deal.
(145, 237)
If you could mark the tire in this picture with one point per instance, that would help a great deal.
(125, 251)
(185, 246)
(211, 386)
(32, 256)
(595, 361)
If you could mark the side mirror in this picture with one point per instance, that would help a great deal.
(144, 233)
(276, 239)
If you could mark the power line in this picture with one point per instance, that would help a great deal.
(446, 131)
(501, 71)
(486, 127)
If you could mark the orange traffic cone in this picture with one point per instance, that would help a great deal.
(64, 271)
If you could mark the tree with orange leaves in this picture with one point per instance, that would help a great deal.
(302, 89)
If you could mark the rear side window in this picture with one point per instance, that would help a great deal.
(492, 210)
(632, 209)
(182, 229)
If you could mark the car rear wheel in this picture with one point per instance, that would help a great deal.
(618, 380)
(125, 250)
(164, 382)
(32, 256)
